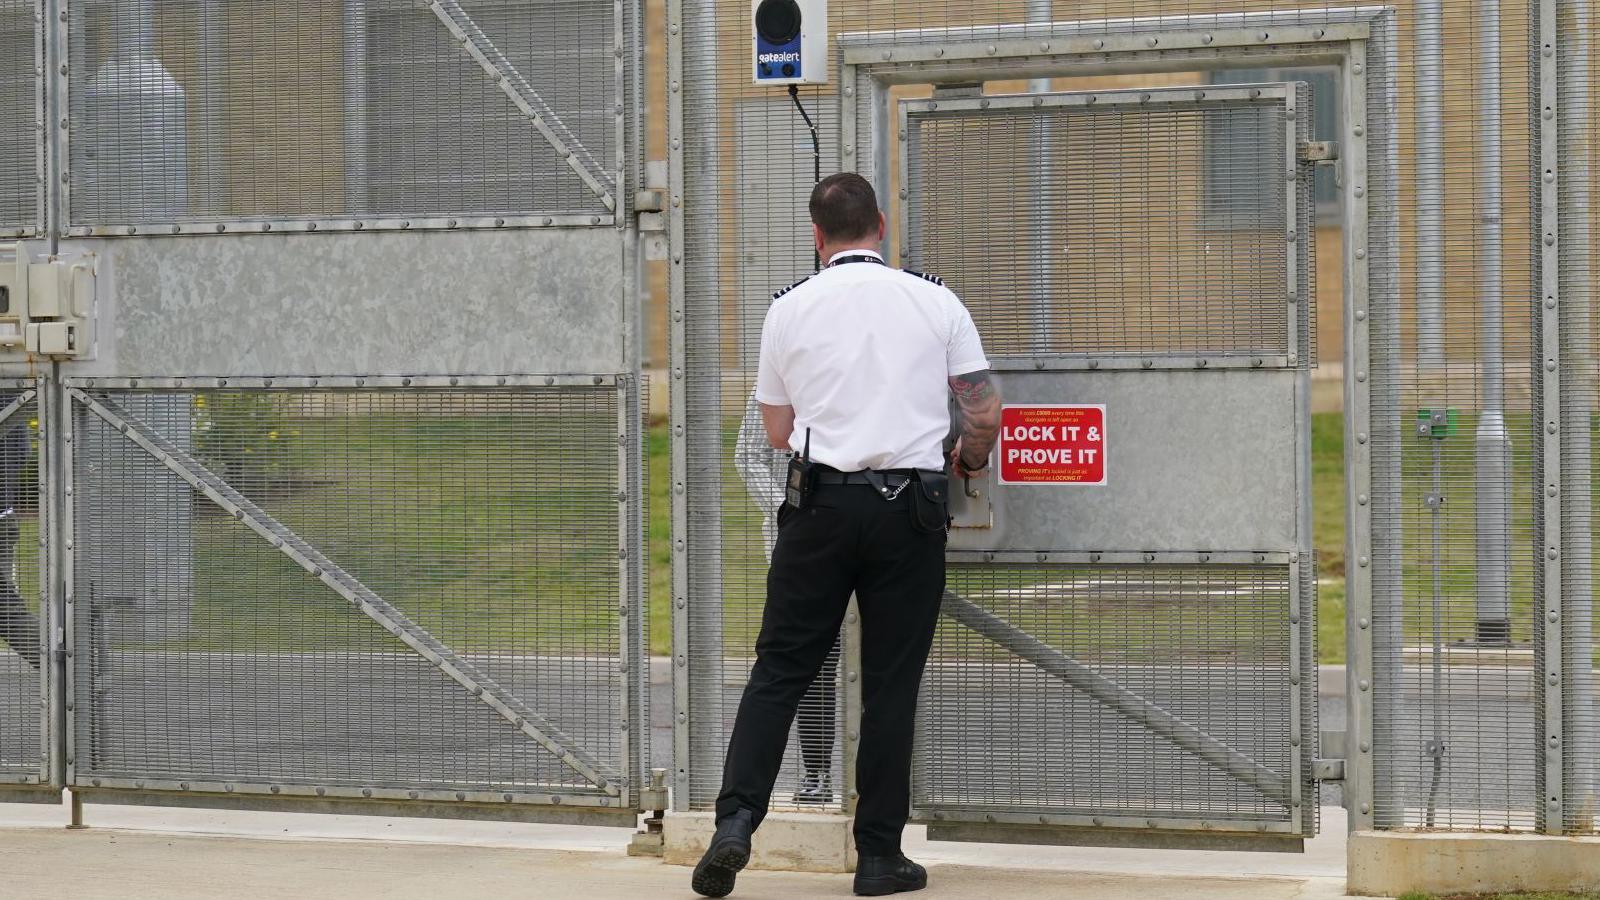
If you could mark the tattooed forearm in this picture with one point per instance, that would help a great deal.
(979, 401)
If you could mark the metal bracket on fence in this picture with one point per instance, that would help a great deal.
(1116, 697)
(521, 93)
(393, 620)
(21, 400)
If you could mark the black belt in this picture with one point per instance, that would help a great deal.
(892, 478)
(888, 483)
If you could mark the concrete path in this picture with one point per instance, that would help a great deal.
(133, 853)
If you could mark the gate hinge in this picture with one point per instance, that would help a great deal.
(47, 303)
(1321, 152)
(650, 204)
(1327, 769)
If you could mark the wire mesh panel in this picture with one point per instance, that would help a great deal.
(1076, 692)
(1179, 249)
(21, 62)
(23, 605)
(383, 591)
(201, 111)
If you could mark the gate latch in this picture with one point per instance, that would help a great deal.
(1319, 152)
(47, 304)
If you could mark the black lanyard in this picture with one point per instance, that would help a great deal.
(857, 258)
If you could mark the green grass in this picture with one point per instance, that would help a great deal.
(743, 564)
(521, 582)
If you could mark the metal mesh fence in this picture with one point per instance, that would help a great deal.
(1179, 249)
(1111, 690)
(21, 65)
(1454, 432)
(22, 751)
(200, 111)
(368, 592)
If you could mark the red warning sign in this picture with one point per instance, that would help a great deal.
(1053, 444)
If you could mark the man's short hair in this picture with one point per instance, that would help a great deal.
(845, 207)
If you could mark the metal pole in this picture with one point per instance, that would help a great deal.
(1574, 25)
(1375, 802)
(1492, 443)
(1041, 11)
(698, 542)
(355, 108)
(1429, 179)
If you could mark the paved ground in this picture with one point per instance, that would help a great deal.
(138, 853)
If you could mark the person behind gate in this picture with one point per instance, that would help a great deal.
(857, 363)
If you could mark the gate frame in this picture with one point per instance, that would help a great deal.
(580, 805)
(872, 62)
(1234, 829)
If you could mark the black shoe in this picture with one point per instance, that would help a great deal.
(729, 852)
(816, 789)
(878, 876)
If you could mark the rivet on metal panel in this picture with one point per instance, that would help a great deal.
(1094, 557)
(992, 49)
(1361, 315)
(1551, 491)
(1549, 303)
(850, 677)
(1038, 364)
(1549, 177)
(988, 557)
(1550, 427)
(1362, 623)
(1555, 741)
(183, 785)
(1362, 562)
(1205, 557)
(1092, 99)
(1149, 557)
(1292, 235)
(1044, 46)
(1552, 553)
(1146, 363)
(1553, 616)
(1549, 240)
(983, 104)
(462, 796)
(1206, 39)
(1361, 438)
(851, 618)
(1099, 44)
(1041, 557)
(1361, 376)
(1152, 41)
(1361, 499)
(1263, 36)
(311, 226)
(1364, 684)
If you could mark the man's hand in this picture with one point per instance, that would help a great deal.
(960, 467)
(980, 421)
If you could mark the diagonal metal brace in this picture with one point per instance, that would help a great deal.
(396, 622)
(12, 408)
(1116, 697)
(516, 87)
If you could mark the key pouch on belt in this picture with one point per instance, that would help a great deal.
(930, 501)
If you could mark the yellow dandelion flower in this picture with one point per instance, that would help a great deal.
(272, 435)
(33, 423)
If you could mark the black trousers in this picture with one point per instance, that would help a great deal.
(847, 540)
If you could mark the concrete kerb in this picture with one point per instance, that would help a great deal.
(786, 842)
(1390, 863)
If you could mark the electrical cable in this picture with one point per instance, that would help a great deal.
(816, 157)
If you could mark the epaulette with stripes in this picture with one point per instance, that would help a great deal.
(791, 287)
(925, 276)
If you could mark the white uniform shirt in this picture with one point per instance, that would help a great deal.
(864, 354)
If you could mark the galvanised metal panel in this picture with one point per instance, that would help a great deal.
(551, 300)
(379, 588)
(1194, 461)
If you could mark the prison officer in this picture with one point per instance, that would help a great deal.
(856, 364)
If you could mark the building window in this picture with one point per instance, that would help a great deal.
(1325, 104)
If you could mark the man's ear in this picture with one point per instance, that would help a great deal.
(816, 236)
(883, 225)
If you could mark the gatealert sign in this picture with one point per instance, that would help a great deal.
(1053, 444)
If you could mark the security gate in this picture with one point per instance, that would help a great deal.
(401, 589)
(1127, 638)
